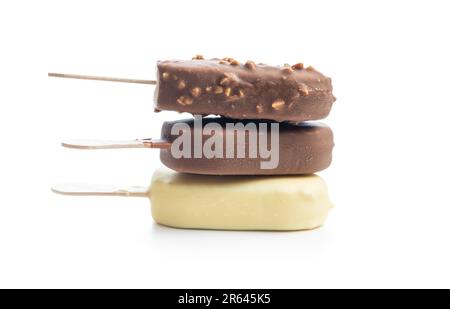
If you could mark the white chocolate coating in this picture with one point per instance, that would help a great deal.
(278, 203)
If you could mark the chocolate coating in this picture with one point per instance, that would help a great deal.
(243, 91)
(304, 148)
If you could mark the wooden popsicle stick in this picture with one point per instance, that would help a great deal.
(105, 144)
(100, 190)
(103, 78)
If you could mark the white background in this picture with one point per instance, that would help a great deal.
(390, 65)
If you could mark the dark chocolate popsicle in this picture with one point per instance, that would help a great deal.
(243, 91)
(280, 148)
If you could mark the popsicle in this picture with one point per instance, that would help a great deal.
(237, 90)
(243, 90)
(275, 203)
(221, 146)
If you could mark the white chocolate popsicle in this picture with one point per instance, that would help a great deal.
(264, 203)
(270, 203)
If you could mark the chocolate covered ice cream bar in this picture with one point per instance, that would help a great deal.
(236, 90)
(243, 90)
(246, 147)
(222, 146)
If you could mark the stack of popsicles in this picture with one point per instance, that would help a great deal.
(253, 167)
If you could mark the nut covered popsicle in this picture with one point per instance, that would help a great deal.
(247, 90)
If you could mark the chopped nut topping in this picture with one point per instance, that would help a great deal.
(287, 65)
(310, 68)
(228, 79)
(278, 104)
(298, 66)
(218, 90)
(259, 108)
(223, 62)
(175, 77)
(208, 89)
(165, 76)
(234, 62)
(250, 65)
(225, 81)
(181, 84)
(303, 89)
(196, 91)
(198, 57)
(228, 59)
(287, 70)
(227, 91)
(185, 100)
(241, 93)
